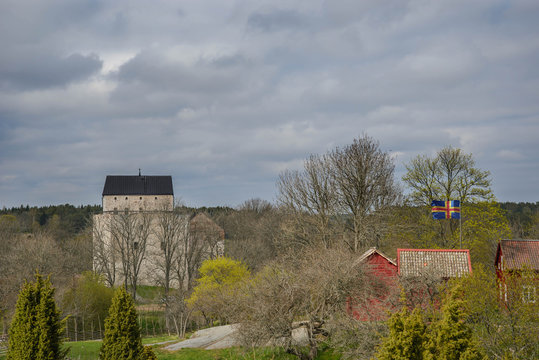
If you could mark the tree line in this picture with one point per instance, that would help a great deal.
(298, 249)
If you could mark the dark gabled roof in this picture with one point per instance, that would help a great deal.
(518, 254)
(444, 263)
(137, 185)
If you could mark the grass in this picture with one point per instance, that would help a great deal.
(89, 350)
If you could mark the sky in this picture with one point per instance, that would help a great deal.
(225, 95)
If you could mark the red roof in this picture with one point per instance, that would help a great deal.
(442, 263)
(518, 254)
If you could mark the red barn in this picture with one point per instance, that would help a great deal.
(512, 258)
(381, 275)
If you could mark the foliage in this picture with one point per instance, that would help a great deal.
(122, 333)
(483, 225)
(36, 330)
(505, 326)
(148, 354)
(450, 175)
(88, 297)
(407, 336)
(450, 337)
(523, 219)
(216, 285)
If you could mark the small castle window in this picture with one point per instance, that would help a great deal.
(140, 198)
(115, 198)
(135, 245)
(126, 198)
(115, 211)
(126, 211)
(156, 198)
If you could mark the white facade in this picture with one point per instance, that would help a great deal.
(121, 203)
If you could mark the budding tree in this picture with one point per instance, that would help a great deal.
(450, 175)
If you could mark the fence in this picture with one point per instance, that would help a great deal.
(151, 323)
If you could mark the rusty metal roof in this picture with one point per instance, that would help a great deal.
(518, 254)
(442, 263)
(138, 185)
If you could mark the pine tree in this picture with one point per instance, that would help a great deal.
(36, 329)
(451, 337)
(406, 337)
(122, 333)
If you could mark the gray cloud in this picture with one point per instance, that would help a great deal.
(275, 20)
(225, 95)
(27, 71)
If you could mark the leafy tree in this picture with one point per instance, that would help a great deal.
(450, 175)
(122, 333)
(505, 326)
(483, 225)
(88, 299)
(407, 336)
(36, 330)
(216, 285)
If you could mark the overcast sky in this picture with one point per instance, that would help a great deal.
(224, 95)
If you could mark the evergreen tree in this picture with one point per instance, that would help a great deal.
(406, 339)
(122, 333)
(36, 329)
(148, 354)
(451, 337)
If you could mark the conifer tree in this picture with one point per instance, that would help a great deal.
(122, 333)
(406, 339)
(36, 329)
(451, 337)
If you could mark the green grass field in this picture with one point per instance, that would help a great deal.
(89, 350)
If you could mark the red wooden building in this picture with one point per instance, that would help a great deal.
(420, 270)
(517, 257)
(382, 282)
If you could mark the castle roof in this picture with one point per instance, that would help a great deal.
(138, 185)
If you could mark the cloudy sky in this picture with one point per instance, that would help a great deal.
(224, 95)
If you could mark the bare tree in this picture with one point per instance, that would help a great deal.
(348, 188)
(252, 232)
(299, 295)
(104, 255)
(363, 175)
(309, 198)
(129, 233)
(171, 232)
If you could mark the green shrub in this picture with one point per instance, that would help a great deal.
(36, 330)
(122, 333)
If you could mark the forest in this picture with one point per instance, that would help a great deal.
(297, 250)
